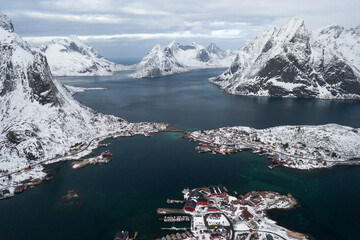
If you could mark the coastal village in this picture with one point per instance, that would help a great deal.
(301, 147)
(215, 214)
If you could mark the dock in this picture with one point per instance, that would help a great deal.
(175, 229)
(176, 219)
(165, 211)
(174, 201)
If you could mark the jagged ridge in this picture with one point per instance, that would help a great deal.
(289, 62)
(176, 58)
(71, 57)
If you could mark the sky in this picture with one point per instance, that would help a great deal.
(121, 29)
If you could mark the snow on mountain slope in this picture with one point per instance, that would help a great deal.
(344, 42)
(39, 118)
(176, 58)
(289, 62)
(71, 57)
(159, 62)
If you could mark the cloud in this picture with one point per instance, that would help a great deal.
(84, 18)
(139, 11)
(233, 21)
(218, 34)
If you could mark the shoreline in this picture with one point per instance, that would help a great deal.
(217, 214)
(301, 147)
(81, 150)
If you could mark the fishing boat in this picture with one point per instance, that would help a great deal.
(123, 235)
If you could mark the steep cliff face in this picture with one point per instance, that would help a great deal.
(343, 42)
(39, 118)
(71, 57)
(176, 58)
(289, 62)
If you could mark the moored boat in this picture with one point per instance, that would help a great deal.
(123, 235)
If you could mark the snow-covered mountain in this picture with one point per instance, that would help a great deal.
(344, 42)
(176, 58)
(70, 57)
(290, 62)
(160, 61)
(39, 118)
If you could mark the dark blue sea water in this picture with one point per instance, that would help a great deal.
(125, 193)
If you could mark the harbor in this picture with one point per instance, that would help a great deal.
(215, 214)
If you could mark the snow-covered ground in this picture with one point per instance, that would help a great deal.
(70, 57)
(301, 147)
(345, 42)
(293, 62)
(243, 217)
(40, 121)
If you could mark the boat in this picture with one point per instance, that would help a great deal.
(123, 235)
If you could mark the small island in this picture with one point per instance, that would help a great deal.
(103, 158)
(301, 147)
(215, 214)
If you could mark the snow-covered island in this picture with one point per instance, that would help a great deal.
(294, 62)
(103, 158)
(301, 147)
(177, 58)
(71, 57)
(40, 121)
(215, 214)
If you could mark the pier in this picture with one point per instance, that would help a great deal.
(174, 201)
(165, 211)
(176, 219)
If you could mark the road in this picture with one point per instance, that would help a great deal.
(58, 158)
(355, 161)
(168, 129)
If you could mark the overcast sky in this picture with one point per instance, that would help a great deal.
(123, 29)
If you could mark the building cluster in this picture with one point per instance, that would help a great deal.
(286, 146)
(178, 236)
(215, 214)
(23, 185)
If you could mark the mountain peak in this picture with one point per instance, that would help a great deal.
(213, 48)
(173, 45)
(356, 30)
(5, 23)
(295, 27)
(156, 48)
(334, 30)
(75, 39)
(291, 62)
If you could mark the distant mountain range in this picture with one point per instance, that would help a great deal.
(71, 57)
(293, 62)
(176, 58)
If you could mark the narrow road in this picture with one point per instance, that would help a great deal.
(354, 161)
(58, 158)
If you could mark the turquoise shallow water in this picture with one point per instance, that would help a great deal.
(125, 193)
